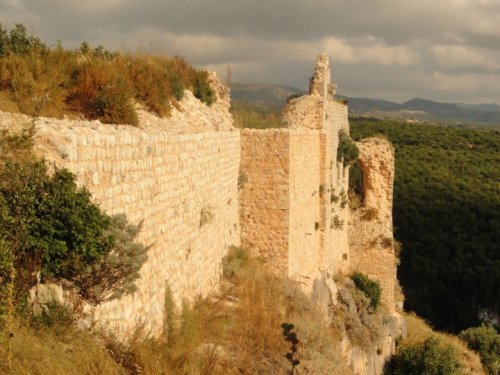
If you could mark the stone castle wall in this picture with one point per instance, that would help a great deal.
(304, 200)
(264, 192)
(295, 210)
(177, 176)
(200, 186)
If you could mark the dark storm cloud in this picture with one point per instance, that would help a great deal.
(389, 48)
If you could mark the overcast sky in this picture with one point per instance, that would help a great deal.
(446, 50)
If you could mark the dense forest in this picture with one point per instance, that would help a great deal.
(447, 215)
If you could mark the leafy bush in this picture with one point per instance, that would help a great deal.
(152, 84)
(113, 275)
(486, 341)
(17, 41)
(427, 358)
(369, 287)
(356, 180)
(353, 317)
(347, 151)
(53, 231)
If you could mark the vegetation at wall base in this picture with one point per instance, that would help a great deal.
(39, 80)
(427, 351)
(447, 215)
(237, 330)
(429, 358)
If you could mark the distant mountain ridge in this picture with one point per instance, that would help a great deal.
(412, 110)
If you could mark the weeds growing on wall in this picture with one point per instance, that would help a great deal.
(52, 81)
(369, 287)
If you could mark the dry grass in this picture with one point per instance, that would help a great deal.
(45, 352)
(94, 83)
(419, 330)
(237, 331)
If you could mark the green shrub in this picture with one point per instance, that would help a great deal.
(356, 180)
(347, 151)
(353, 317)
(202, 89)
(427, 358)
(369, 287)
(486, 341)
(113, 275)
(54, 231)
(18, 41)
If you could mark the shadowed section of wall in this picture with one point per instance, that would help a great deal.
(371, 238)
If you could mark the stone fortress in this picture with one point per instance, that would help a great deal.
(199, 185)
